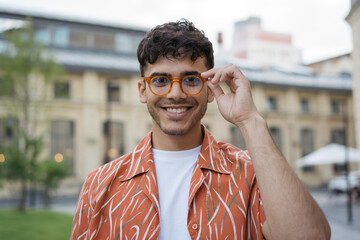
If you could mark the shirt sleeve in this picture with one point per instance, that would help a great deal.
(82, 214)
(257, 214)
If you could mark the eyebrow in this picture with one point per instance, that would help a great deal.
(186, 73)
(160, 74)
(190, 73)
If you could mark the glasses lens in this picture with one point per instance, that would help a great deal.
(192, 85)
(160, 85)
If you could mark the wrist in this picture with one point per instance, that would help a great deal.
(251, 123)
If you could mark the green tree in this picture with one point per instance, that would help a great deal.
(26, 66)
(50, 175)
(21, 164)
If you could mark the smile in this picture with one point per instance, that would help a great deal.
(176, 110)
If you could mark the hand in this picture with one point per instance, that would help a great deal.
(237, 106)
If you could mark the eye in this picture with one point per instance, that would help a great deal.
(160, 81)
(192, 81)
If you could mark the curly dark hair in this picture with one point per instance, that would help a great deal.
(174, 40)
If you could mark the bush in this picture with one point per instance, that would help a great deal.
(50, 175)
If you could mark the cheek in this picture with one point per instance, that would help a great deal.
(204, 97)
(151, 99)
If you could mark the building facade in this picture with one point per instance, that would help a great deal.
(353, 19)
(95, 115)
(342, 64)
(305, 111)
(251, 42)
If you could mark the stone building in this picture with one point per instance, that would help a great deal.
(253, 43)
(353, 19)
(95, 116)
(342, 64)
(305, 111)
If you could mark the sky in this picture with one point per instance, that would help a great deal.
(317, 27)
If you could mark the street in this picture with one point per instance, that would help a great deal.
(335, 209)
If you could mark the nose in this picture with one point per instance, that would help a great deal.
(176, 93)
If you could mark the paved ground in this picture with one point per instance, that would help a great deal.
(336, 211)
(334, 207)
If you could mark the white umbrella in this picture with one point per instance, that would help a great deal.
(330, 154)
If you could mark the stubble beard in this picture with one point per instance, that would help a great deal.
(178, 131)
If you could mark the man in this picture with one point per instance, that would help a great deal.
(179, 183)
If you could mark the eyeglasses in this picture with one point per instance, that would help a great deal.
(191, 85)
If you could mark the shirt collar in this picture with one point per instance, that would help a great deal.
(211, 157)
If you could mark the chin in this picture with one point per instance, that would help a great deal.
(174, 131)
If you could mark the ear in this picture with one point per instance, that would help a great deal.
(142, 91)
(210, 95)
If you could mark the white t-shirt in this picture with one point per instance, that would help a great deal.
(173, 172)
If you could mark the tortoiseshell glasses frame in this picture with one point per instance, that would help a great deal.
(191, 85)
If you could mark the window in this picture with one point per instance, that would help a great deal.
(136, 41)
(62, 90)
(123, 43)
(337, 106)
(8, 128)
(272, 104)
(61, 36)
(276, 135)
(104, 41)
(113, 91)
(237, 138)
(338, 136)
(79, 38)
(42, 36)
(114, 140)
(339, 167)
(63, 141)
(309, 168)
(304, 105)
(345, 74)
(307, 141)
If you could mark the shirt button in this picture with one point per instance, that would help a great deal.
(194, 226)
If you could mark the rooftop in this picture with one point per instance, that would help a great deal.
(111, 62)
(18, 13)
(291, 76)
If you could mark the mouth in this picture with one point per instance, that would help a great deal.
(176, 109)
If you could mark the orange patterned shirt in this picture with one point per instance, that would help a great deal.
(120, 199)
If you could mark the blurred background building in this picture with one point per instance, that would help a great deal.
(353, 19)
(251, 42)
(95, 116)
(342, 65)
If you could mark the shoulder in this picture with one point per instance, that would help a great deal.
(234, 152)
(241, 164)
(108, 172)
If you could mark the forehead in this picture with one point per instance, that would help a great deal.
(176, 67)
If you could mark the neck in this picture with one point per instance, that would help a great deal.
(163, 141)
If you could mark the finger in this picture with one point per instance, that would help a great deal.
(230, 72)
(215, 74)
(216, 89)
(223, 74)
(210, 73)
(216, 78)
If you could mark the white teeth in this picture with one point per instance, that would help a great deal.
(176, 110)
